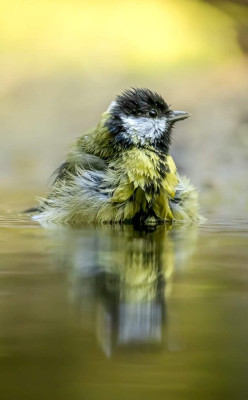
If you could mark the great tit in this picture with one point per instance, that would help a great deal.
(121, 171)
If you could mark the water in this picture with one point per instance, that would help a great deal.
(110, 312)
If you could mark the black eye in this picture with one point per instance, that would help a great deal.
(153, 113)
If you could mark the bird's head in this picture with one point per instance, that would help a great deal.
(140, 117)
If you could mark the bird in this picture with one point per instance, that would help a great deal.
(121, 171)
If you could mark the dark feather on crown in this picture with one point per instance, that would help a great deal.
(138, 102)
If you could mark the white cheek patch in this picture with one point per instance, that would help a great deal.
(143, 129)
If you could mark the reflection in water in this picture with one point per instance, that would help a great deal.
(117, 313)
(122, 277)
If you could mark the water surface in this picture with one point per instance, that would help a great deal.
(112, 312)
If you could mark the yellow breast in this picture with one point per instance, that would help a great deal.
(146, 182)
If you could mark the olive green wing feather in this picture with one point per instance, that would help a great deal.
(86, 162)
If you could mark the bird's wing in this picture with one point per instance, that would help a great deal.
(83, 161)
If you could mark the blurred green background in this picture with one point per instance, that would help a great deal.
(63, 62)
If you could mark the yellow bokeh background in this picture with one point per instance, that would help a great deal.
(119, 34)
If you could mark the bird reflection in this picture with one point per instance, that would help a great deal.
(121, 278)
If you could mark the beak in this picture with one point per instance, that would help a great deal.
(177, 116)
